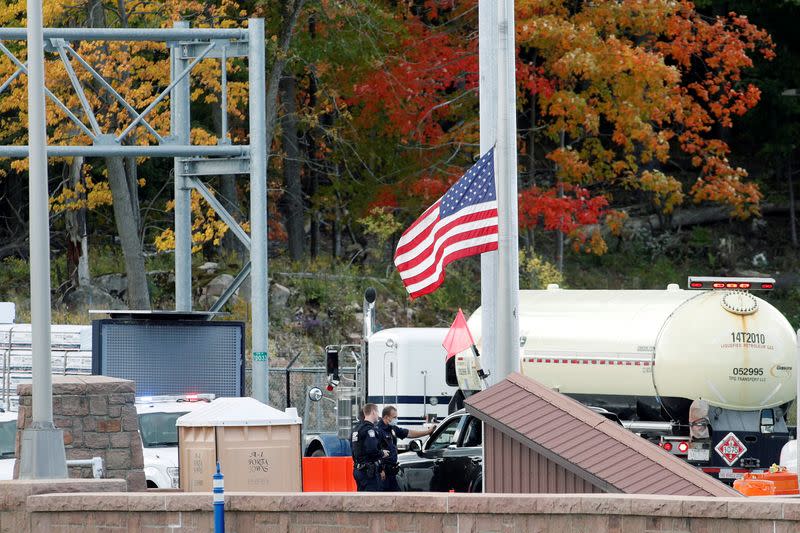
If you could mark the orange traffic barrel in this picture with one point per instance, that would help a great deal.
(779, 483)
(754, 487)
(328, 474)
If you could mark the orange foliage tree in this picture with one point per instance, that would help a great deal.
(139, 71)
(638, 91)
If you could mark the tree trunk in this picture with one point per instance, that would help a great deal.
(132, 179)
(292, 204)
(138, 294)
(792, 219)
(315, 164)
(291, 12)
(313, 240)
(336, 235)
(123, 182)
(77, 239)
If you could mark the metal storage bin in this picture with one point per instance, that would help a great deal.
(257, 446)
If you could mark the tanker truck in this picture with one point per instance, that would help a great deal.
(707, 373)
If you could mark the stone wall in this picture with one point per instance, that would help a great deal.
(98, 417)
(14, 516)
(410, 513)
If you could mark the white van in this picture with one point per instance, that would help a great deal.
(157, 416)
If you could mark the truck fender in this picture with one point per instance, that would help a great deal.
(155, 477)
(329, 444)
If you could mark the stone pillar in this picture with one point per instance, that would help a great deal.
(98, 416)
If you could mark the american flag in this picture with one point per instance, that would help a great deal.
(461, 223)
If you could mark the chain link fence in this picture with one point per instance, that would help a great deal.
(288, 387)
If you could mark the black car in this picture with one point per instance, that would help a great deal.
(451, 459)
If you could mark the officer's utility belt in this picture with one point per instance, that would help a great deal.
(362, 466)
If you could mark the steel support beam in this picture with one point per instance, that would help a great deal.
(232, 288)
(47, 91)
(178, 33)
(180, 102)
(188, 46)
(111, 150)
(226, 48)
(226, 217)
(107, 86)
(216, 167)
(179, 78)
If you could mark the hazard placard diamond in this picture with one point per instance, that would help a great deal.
(730, 448)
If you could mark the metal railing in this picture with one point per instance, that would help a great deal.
(17, 362)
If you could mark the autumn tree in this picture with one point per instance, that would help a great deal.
(139, 71)
(76, 122)
(414, 113)
(638, 91)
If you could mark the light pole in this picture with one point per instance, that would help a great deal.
(42, 453)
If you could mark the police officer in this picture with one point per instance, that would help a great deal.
(390, 434)
(367, 453)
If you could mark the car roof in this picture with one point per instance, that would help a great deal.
(5, 416)
(168, 407)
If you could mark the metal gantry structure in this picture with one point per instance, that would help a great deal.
(188, 47)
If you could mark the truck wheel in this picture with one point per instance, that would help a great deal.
(476, 486)
(318, 453)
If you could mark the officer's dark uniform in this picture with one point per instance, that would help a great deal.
(390, 434)
(366, 446)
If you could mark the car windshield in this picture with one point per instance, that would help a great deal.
(158, 429)
(446, 435)
(8, 433)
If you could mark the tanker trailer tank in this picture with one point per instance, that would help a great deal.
(652, 356)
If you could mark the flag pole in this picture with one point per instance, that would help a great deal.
(488, 65)
(507, 354)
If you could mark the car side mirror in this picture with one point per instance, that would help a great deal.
(415, 445)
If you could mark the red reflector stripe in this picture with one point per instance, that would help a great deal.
(715, 470)
(588, 361)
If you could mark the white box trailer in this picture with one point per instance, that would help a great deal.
(406, 368)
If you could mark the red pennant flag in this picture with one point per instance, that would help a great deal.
(458, 338)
